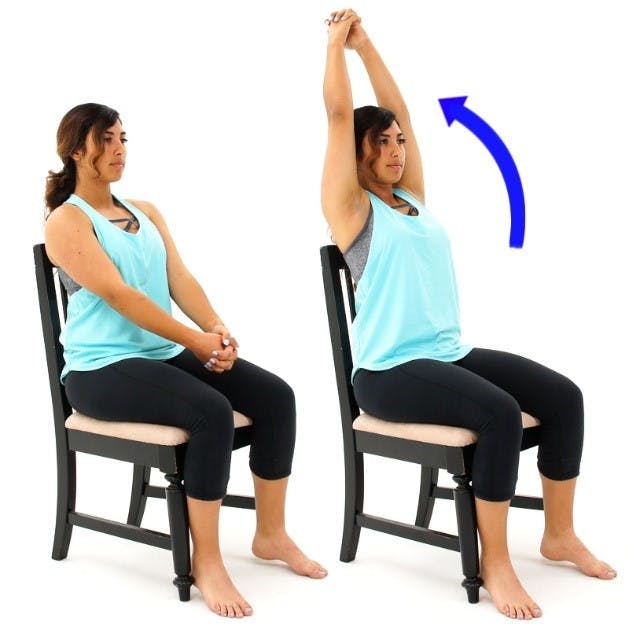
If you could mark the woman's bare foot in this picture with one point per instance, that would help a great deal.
(570, 548)
(217, 589)
(506, 591)
(281, 546)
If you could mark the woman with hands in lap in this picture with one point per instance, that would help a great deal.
(127, 358)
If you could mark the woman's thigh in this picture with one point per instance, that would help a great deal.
(432, 391)
(538, 389)
(263, 397)
(251, 390)
(549, 396)
(144, 390)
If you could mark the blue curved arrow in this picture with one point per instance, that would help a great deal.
(455, 109)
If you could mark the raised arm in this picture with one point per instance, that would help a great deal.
(345, 204)
(388, 95)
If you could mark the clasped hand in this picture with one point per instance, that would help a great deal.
(218, 350)
(345, 26)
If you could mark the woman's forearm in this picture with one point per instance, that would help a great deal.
(194, 303)
(384, 86)
(337, 91)
(145, 313)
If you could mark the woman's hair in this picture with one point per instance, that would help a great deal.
(370, 121)
(72, 134)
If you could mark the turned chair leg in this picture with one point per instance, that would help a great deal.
(137, 504)
(66, 500)
(179, 534)
(468, 538)
(354, 495)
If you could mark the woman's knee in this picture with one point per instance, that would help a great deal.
(504, 418)
(274, 433)
(570, 397)
(284, 397)
(279, 405)
(216, 418)
(561, 446)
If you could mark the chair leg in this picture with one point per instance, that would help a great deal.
(426, 502)
(66, 500)
(354, 495)
(179, 535)
(137, 504)
(468, 538)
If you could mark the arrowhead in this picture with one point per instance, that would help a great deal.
(452, 107)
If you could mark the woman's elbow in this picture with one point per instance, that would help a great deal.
(118, 295)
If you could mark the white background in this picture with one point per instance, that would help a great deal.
(222, 105)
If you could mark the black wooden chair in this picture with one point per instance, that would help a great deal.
(146, 446)
(435, 448)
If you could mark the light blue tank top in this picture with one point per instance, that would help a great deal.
(95, 335)
(406, 301)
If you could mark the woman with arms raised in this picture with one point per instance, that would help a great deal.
(409, 362)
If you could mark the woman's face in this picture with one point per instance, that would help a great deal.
(385, 164)
(109, 166)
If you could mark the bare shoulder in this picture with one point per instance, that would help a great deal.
(65, 216)
(65, 225)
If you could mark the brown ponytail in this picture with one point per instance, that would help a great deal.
(60, 185)
(73, 130)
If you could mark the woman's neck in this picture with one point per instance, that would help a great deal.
(97, 195)
(383, 191)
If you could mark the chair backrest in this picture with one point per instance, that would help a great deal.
(53, 301)
(340, 305)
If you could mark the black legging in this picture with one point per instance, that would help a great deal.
(485, 391)
(181, 392)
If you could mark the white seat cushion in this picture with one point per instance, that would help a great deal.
(427, 433)
(136, 431)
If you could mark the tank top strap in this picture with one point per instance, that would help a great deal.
(409, 198)
(75, 199)
(129, 206)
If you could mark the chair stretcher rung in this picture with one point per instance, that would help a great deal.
(409, 531)
(126, 531)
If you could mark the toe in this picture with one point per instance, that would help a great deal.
(606, 571)
(531, 610)
(317, 571)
